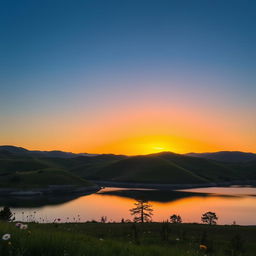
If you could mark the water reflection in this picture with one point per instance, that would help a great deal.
(230, 204)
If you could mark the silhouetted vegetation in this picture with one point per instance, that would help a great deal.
(165, 231)
(103, 219)
(175, 219)
(161, 168)
(209, 218)
(126, 239)
(6, 214)
(142, 211)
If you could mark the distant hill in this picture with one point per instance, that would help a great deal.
(19, 151)
(148, 169)
(167, 167)
(160, 168)
(226, 156)
(41, 179)
(22, 170)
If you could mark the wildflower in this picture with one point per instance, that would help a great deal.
(202, 246)
(6, 237)
(101, 239)
(18, 224)
(177, 239)
(24, 226)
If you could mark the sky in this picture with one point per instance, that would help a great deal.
(128, 77)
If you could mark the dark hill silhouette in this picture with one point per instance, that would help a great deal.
(19, 151)
(167, 167)
(162, 168)
(148, 169)
(226, 156)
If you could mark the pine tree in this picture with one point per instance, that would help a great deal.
(142, 211)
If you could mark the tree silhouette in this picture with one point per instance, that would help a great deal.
(209, 218)
(6, 214)
(142, 211)
(175, 219)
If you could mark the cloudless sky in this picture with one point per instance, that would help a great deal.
(129, 77)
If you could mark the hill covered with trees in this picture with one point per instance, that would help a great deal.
(17, 169)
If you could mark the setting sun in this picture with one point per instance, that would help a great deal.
(158, 148)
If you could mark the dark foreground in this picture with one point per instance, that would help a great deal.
(98, 239)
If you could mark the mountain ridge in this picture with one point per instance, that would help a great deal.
(162, 168)
(224, 156)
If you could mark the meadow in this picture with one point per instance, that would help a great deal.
(98, 239)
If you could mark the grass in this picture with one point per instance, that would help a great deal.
(162, 168)
(170, 168)
(41, 178)
(148, 169)
(126, 239)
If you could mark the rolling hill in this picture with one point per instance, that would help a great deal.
(226, 156)
(169, 168)
(148, 169)
(161, 168)
(19, 151)
(43, 178)
(25, 172)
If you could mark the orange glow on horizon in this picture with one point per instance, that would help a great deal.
(132, 131)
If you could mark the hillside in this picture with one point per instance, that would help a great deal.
(30, 172)
(227, 156)
(208, 169)
(41, 179)
(170, 168)
(147, 169)
(17, 168)
(19, 151)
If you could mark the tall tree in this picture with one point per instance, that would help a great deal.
(209, 218)
(142, 211)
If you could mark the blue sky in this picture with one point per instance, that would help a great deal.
(58, 57)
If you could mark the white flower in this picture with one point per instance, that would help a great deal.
(177, 239)
(101, 239)
(6, 237)
(23, 226)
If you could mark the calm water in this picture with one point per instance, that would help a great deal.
(230, 204)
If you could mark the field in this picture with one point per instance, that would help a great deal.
(98, 239)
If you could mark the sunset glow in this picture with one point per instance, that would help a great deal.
(128, 127)
(175, 83)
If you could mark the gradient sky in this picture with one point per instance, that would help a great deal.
(129, 77)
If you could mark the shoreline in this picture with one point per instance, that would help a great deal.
(70, 189)
(50, 190)
(159, 186)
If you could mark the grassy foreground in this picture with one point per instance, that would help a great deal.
(98, 239)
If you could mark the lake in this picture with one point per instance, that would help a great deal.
(230, 204)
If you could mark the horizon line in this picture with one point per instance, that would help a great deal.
(164, 151)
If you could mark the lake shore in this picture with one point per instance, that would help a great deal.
(70, 189)
(172, 186)
(50, 190)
